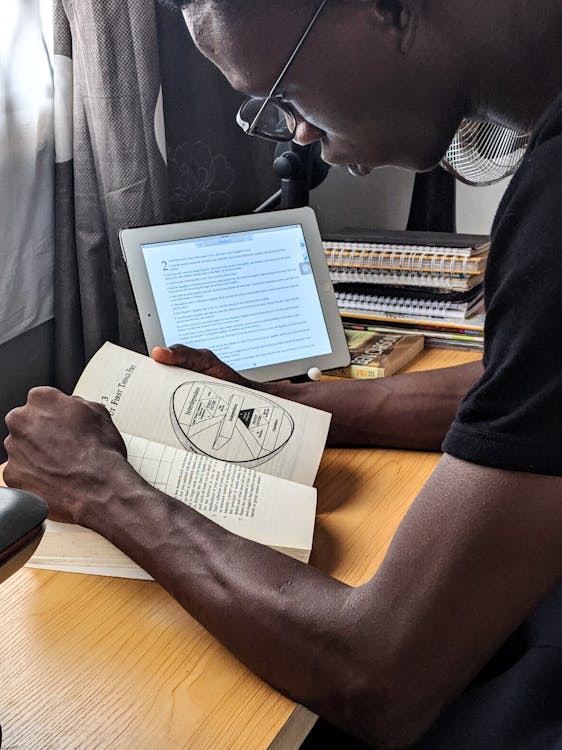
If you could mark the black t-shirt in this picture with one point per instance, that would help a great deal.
(512, 418)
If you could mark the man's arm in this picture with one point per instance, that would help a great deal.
(412, 410)
(478, 549)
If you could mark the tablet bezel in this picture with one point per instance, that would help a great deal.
(132, 239)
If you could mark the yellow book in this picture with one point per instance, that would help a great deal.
(377, 354)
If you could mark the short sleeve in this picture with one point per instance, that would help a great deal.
(512, 418)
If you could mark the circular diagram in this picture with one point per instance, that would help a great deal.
(225, 422)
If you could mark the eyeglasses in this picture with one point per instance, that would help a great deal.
(272, 118)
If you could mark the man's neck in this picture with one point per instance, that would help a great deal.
(519, 72)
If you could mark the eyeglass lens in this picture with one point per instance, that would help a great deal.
(274, 122)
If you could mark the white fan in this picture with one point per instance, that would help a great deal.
(483, 153)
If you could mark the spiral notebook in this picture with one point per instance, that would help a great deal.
(364, 297)
(421, 259)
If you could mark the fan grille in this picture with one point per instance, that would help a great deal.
(483, 153)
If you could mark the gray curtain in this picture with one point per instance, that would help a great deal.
(129, 156)
(213, 168)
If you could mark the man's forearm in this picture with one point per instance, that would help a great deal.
(413, 410)
(428, 618)
(285, 620)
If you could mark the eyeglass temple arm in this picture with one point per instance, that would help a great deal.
(286, 67)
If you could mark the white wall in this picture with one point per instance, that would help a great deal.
(382, 200)
(476, 206)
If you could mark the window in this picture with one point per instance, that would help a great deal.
(26, 166)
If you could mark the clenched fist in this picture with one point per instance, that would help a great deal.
(64, 449)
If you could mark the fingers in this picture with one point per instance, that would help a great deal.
(49, 411)
(40, 400)
(184, 356)
(38, 395)
(58, 446)
(164, 355)
(197, 360)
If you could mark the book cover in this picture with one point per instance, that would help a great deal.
(379, 319)
(472, 243)
(434, 336)
(243, 458)
(377, 354)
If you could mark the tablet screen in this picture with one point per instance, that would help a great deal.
(249, 296)
(255, 289)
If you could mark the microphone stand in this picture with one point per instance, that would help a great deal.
(293, 166)
(300, 168)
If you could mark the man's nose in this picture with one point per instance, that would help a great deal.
(306, 133)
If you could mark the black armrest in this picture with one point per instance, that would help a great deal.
(22, 523)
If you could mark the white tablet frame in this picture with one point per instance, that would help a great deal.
(131, 244)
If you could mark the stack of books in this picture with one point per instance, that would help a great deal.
(428, 283)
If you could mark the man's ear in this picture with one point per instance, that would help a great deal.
(400, 16)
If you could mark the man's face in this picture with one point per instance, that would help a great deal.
(369, 98)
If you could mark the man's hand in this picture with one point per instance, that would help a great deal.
(198, 360)
(411, 410)
(61, 448)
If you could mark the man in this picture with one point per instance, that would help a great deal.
(377, 82)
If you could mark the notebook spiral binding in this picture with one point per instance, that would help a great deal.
(405, 306)
(416, 260)
(416, 265)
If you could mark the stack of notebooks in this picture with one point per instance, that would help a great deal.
(421, 282)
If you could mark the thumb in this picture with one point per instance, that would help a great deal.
(164, 355)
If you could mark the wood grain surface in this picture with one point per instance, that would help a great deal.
(110, 664)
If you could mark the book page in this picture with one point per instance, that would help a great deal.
(204, 415)
(265, 509)
(268, 510)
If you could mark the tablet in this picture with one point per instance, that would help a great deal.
(254, 289)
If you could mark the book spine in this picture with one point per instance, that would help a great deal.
(360, 372)
(462, 334)
(385, 278)
(386, 319)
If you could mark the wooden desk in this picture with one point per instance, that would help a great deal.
(89, 662)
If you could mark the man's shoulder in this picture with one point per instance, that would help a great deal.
(550, 124)
(534, 183)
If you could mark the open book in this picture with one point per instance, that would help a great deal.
(245, 459)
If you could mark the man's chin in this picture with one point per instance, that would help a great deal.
(359, 170)
(427, 166)
(417, 163)
(355, 169)
(362, 170)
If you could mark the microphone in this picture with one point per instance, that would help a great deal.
(300, 169)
